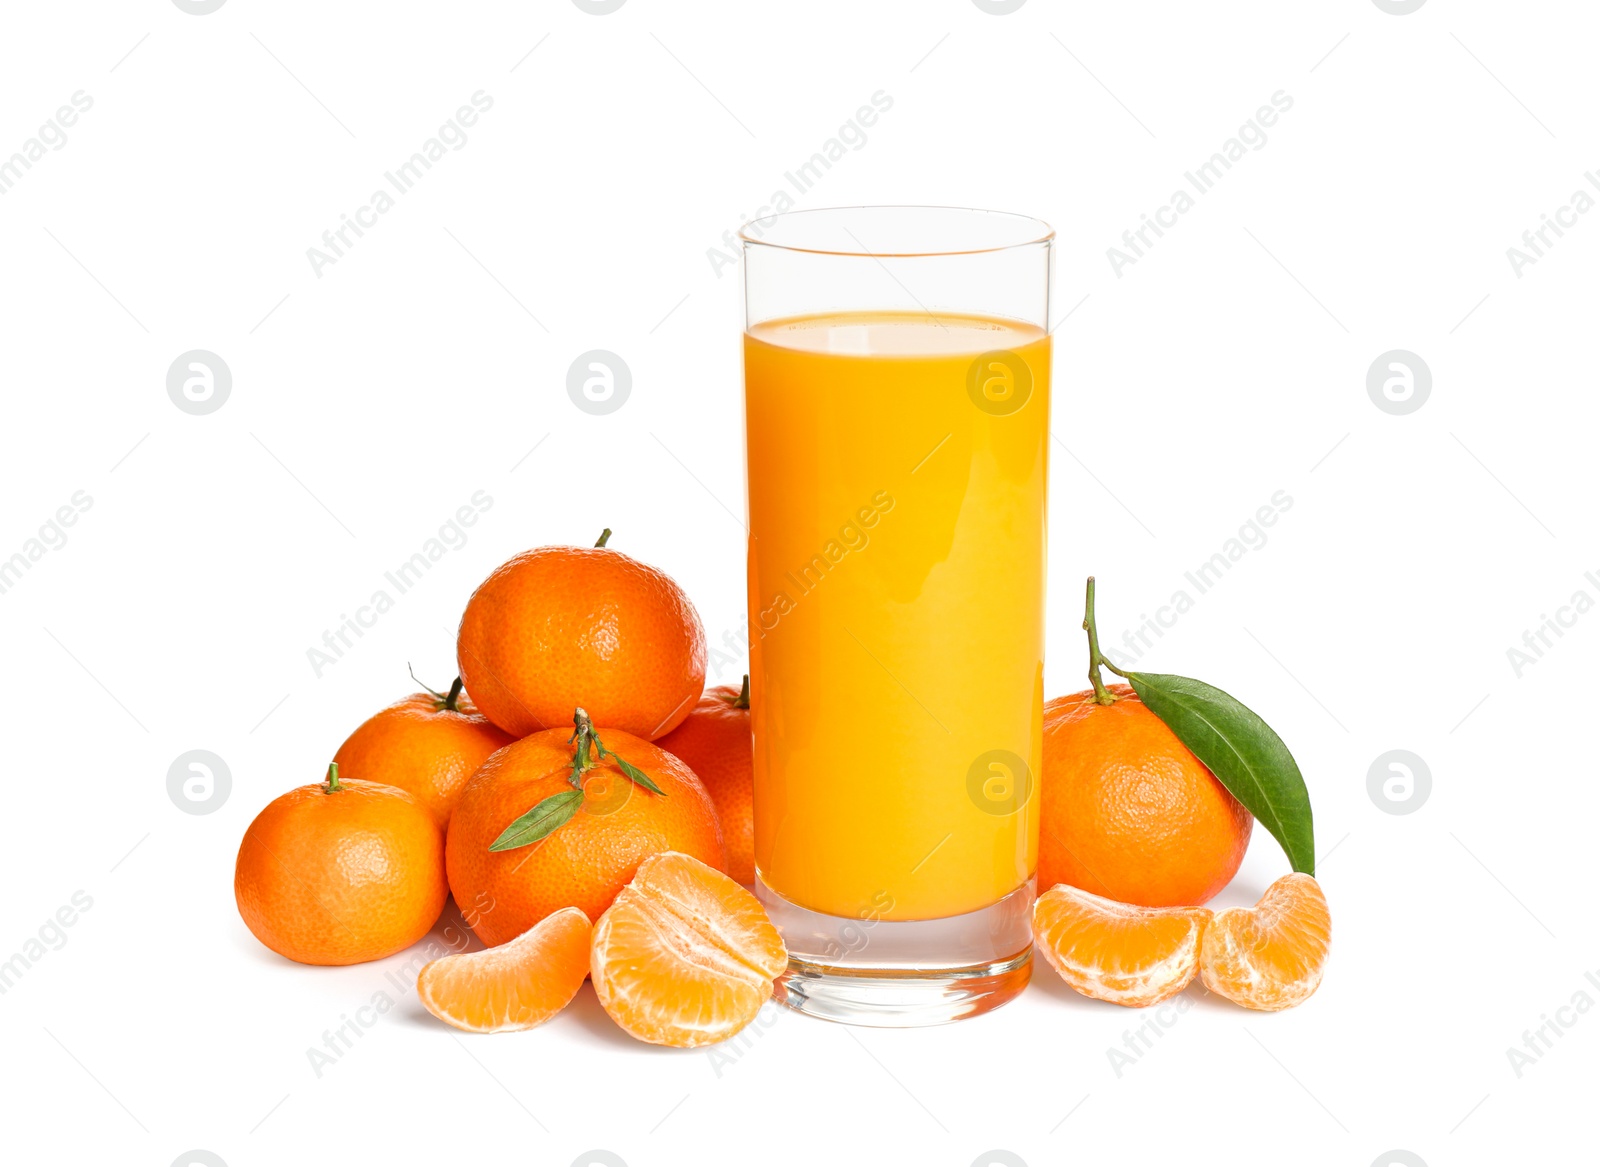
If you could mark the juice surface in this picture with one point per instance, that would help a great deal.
(897, 467)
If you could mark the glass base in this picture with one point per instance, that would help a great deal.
(903, 973)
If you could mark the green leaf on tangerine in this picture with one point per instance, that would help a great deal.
(636, 775)
(551, 813)
(1243, 751)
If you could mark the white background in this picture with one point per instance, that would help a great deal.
(370, 402)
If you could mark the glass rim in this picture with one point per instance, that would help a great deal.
(1036, 232)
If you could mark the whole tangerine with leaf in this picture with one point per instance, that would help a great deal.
(428, 744)
(715, 742)
(559, 627)
(341, 872)
(1150, 788)
(563, 818)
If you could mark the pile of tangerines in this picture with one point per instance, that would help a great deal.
(588, 806)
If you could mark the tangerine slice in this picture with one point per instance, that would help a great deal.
(1269, 956)
(685, 956)
(521, 984)
(1118, 952)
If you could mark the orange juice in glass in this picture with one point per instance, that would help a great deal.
(897, 399)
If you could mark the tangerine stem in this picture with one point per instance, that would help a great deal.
(604, 535)
(742, 701)
(332, 783)
(455, 694)
(582, 734)
(1102, 695)
(425, 688)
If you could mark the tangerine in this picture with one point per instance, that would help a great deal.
(611, 825)
(558, 627)
(1126, 810)
(715, 741)
(341, 872)
(428, 744)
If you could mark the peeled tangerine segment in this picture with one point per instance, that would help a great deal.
(1118, 952)
(685, 956)
(518, 985)
(1270, 956)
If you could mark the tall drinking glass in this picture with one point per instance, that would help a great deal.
(897, 406)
